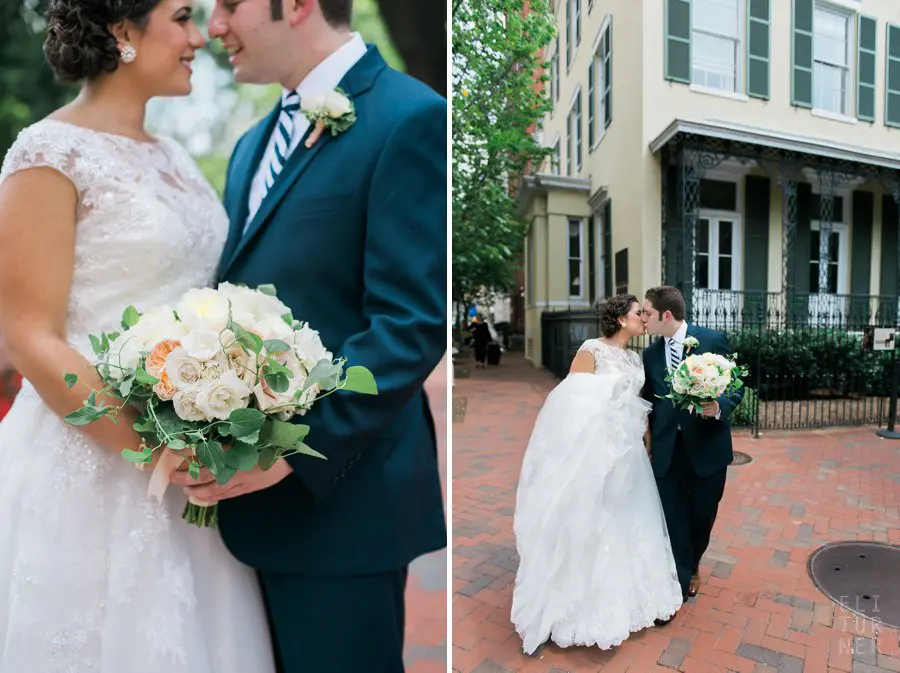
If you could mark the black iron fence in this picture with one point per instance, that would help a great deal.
(809, 364)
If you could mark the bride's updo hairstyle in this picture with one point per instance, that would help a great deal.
(79, 44)
(612, 311)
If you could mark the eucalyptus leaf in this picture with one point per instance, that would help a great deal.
(307, 451)
(125, 385)
(212, 455)
(283, 435)
(360, 380)
(267, 458)
(137, 456)
(86, 415)
(326, 374)
(176, 444)
(245, 422)
(71, 380)
(276, 346)
(130, 317)
(267, 288)
(278, 382)
(247, 339)
(95, 344)
(141, 376)
(194, 470)
(241, 457)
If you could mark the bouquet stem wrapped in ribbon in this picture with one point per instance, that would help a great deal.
(704, 378)
(216, 379)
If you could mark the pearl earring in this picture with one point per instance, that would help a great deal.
(128, 53)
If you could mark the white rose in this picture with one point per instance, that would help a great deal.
(249, 306)
(314, 102)
(219, 398)
(203, 308)
(274, 328)
(158, 324)
(336, 104)
(202, 344)
(266, 398)
(215, 369)
(309, 347)
(185, 402)
(124, 354)
(241, 362)
(184, 372)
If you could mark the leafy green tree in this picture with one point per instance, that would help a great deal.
(498, 101)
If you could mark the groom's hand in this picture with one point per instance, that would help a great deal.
(205, 489)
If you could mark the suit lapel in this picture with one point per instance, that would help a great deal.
(245, 166)
(358, 80)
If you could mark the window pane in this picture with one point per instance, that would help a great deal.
(575, 277)
(725, 273)
(718, 195)
(831, 33)
(714, 61)
(725, 242)
(702, 236)
(832, 278)
(814, 275)
(814, 246)
(574, 238)
(716, 16)
(702, 271)
(833, 247)
(829, 87)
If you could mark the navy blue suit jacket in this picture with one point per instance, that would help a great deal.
(353, 234)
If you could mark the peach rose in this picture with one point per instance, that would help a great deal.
(156, 361)
(164, 387)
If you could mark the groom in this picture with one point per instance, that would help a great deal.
(352, 231)
(690, 455)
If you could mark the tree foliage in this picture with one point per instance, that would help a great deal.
(498, 100)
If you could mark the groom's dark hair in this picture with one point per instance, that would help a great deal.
(666, 298)
(336, 12)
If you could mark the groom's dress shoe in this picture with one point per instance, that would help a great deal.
(694, 586)
(663, 622)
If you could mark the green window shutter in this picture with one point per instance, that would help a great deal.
(865, 71)
(861, 241)
(607, 249)
(568, 33)
(678, 40)
(802, 54)
(756, 233)
(758, 49)
(892, 91)
(591, 104)
(607, 75)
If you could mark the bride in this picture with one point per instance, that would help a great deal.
(95, 215)
(595, 559)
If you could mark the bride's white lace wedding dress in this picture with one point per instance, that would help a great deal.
(595, 559)
(94, 576)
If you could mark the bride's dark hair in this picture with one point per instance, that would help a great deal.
(612, 310)
(79, 44)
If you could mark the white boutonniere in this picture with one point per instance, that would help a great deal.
(332, 110)
(690, 343)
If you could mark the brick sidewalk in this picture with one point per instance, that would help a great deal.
(757, 612)
(426, 594)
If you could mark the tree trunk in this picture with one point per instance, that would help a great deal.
(418, 29)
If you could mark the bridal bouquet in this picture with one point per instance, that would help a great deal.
(216, 379)
(703, 378)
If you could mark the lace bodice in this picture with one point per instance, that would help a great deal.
(625, 365)
(148, 224)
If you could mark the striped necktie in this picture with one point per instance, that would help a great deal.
(283, 134)
(675, 350)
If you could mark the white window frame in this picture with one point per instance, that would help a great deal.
(599, 227)
(737, 248)
(599, 120)
(582, 243)
(554, 74)
(573, 135)
(740, 54)
(833, 310)
(573, 18)
(851, 17)
(556, 157)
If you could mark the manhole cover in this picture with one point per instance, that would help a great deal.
(741, 458)
(459, 409)
(862, 577)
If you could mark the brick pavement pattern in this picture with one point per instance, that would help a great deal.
(426, 593)
(757, 611)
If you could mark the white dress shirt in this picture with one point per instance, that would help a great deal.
(321, 79)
